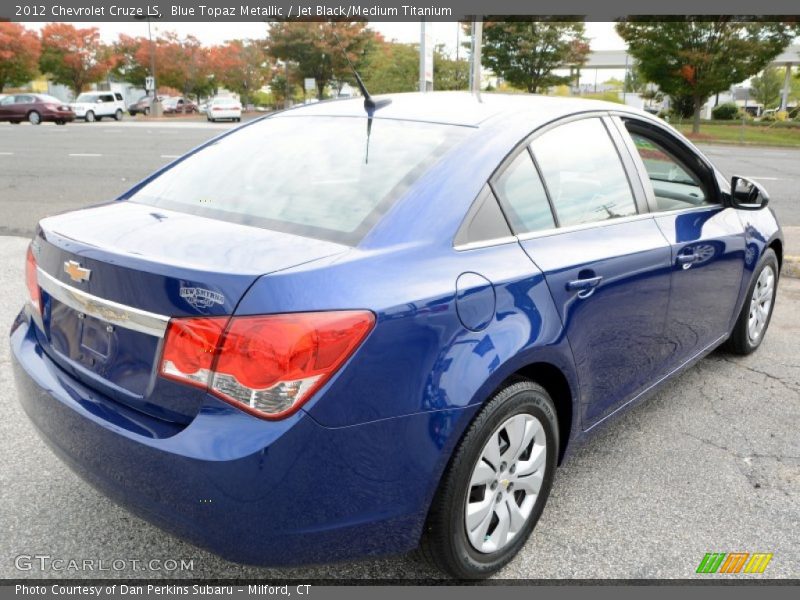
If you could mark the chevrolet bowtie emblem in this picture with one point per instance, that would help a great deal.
(76, 272)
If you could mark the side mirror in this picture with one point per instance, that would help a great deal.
(747, 194)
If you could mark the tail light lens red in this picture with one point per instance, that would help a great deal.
(267, 365)
(32, 281)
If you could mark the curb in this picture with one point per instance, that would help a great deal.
(791, 267)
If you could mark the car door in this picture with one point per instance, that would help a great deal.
(583, 222)
(707, 238)
(6, 108)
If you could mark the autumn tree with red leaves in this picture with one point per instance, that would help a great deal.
(19, 54)
(241, 66)
(74, 57)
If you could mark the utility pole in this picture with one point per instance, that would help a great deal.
(477, 44)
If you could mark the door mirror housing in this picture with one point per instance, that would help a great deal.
(747, 194)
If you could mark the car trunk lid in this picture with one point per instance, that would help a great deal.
(112, 276)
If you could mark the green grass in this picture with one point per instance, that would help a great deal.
(750, 134)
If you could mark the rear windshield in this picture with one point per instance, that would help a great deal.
(304, 175)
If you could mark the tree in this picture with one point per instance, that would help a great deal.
(241, 66)
(690, 58)
(391, 67)
(525, 53)
(313, 48)
(181, 63)
(19, 54)
(767, 86)
(74, 57)
(449, 73)
(132, 56)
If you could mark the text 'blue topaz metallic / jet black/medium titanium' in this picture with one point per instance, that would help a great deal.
(288, 354)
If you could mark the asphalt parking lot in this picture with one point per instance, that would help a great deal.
(711, 464)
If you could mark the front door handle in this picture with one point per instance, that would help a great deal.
(586, 286)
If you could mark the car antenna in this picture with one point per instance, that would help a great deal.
(370, 104)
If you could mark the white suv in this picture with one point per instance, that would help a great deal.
(93, 106)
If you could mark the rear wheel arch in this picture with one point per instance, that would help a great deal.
(555, 382)
(777, 247)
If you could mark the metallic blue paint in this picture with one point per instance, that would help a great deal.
(354, 472)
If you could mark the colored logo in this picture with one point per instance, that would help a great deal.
(76, 272)
(734, 562)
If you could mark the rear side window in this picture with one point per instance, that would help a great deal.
(304, 175)
(522, 194)
(583, 173)
(118, 96)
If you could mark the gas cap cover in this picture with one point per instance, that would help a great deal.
(475, 301)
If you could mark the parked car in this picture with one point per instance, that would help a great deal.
(143, 105)
(93, 106)
(331, 334)
(178, 105)
(35, 108)
(224, 108)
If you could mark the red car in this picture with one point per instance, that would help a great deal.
(35, 108)
(178, 105)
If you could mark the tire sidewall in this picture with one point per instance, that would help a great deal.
(524, 399)
(37, 120)
(89, 119)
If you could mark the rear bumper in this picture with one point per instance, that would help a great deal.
(253, 491)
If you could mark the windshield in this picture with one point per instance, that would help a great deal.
(304, 175)
(86, 98)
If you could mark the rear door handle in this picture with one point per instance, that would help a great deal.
(585, 286)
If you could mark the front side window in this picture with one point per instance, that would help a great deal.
(674, 186)
(583, 173)
(304, 175)
(522, 194)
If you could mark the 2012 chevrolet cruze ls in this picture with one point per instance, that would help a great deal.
(333, 333)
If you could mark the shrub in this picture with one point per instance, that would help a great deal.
(725, 112)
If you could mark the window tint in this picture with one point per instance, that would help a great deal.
(523, 196)
(674, 186)
(583, 173)
(118, 96)
(304, 175)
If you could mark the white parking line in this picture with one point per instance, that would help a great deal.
(80, 154)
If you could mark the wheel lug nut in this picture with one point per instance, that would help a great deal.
(499, 497)
(513, 469)
(510, 487)
(493, 487)
(503, 466)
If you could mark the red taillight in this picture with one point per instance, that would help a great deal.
(51, 106)
(32, 281)
(190, 349)
(266, 365)
(216, 108)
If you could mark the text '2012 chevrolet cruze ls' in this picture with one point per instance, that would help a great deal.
(330, 334)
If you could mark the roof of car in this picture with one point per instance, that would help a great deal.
(460, 108)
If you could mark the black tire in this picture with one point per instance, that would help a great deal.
(740, 341)
(14, 122)
(445, 543)
(34, 118)
(118, 115)
(90, 117)
(146, 112)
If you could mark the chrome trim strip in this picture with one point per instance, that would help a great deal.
(105, 310)
(509, 239)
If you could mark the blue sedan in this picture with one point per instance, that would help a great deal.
(330, 334)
